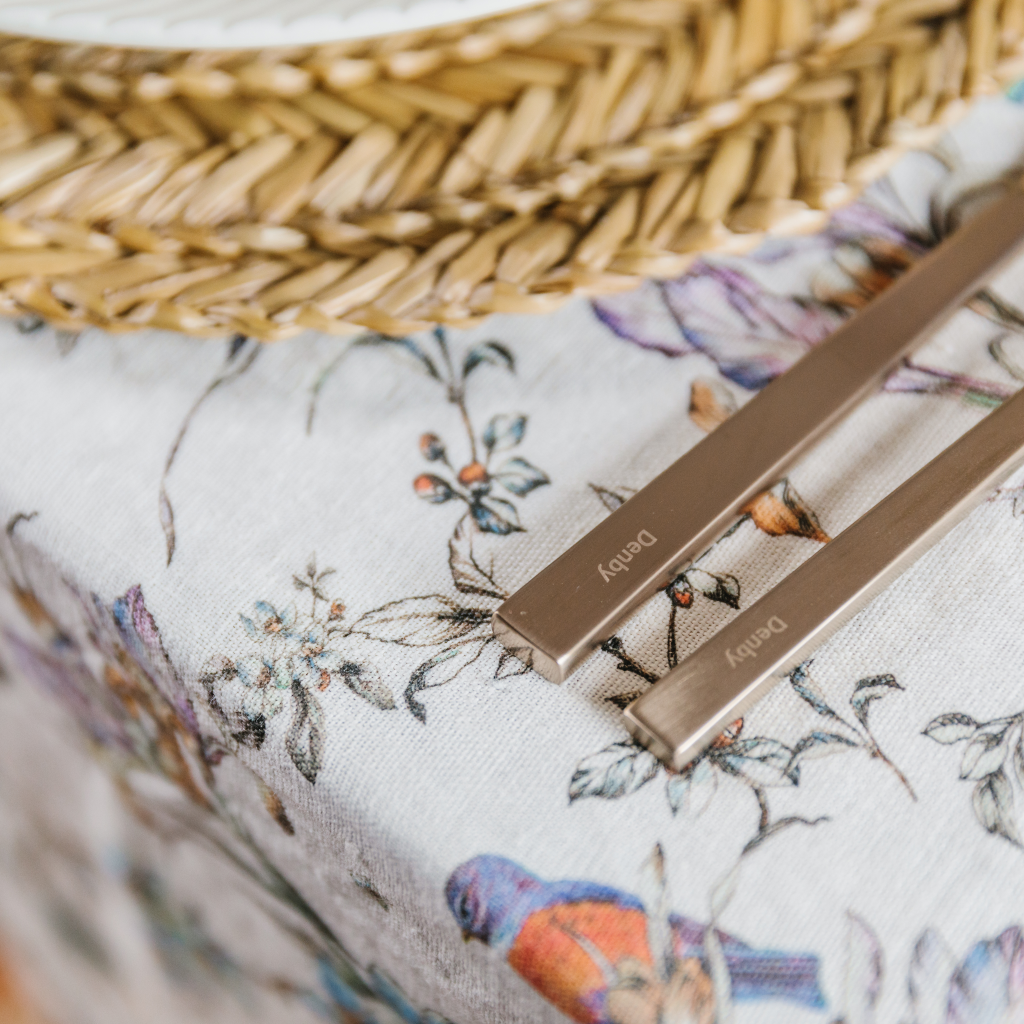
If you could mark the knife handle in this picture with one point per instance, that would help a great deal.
(686, 709)
(561, 615)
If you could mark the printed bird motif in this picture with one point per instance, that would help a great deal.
(602, 957)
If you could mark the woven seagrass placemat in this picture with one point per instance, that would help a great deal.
(440, 176)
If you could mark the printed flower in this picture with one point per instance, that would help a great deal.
(266, 684)
(868, 251)
(751, 334)
(432, 488)
(63, 672)
(487, 479)
(299, 657)
(273, 630)
(985, 987)
(138, 632)
(316, 665)
(988, 984)
(859, 270)
(475, 478)
(110, 670)
(267, 621)
(721, 587)
(711, 403)
(432, 448)
(474, 483)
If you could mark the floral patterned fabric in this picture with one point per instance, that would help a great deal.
(262, 760)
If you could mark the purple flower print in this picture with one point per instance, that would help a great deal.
(988, 984)
(62, 671)
(985, 987)
(752, 335)
(137, 631)
(108, 667)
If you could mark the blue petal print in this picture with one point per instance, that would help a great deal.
(989, 983)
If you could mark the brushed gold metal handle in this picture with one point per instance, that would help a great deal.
(561, 615)
(686, 709)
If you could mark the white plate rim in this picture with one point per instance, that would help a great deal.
(120, 23)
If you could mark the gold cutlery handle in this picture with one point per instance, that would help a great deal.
(685, 710)
(561, 615)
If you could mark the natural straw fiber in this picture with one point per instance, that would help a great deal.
(443, 175)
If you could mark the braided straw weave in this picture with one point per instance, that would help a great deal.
(443, 175)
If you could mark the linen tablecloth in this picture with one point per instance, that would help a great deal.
(261, 759)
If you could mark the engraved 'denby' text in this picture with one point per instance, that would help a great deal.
(644, 539)
(748, 649)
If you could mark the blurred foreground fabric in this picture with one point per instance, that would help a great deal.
(15, 1006)
(261, 759)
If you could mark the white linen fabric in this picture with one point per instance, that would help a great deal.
(261, 759)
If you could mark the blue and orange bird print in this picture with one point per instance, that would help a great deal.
(602, 957)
